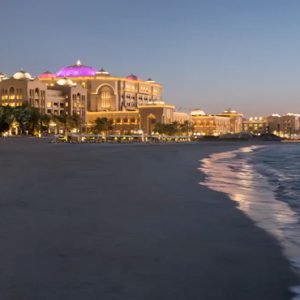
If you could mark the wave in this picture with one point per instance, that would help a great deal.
(263, 192)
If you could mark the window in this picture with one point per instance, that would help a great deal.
(105, 98)
(12, 93)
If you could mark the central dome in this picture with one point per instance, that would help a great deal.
(78, 70)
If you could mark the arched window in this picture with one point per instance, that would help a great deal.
(105, 98)
(12, 93)
(36, 93)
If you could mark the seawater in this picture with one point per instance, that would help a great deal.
(265, 182)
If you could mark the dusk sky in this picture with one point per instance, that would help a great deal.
(210, 54)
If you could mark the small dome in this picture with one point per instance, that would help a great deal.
(2, 76)
(150, 80)
(21, 75)
(198, 112)
(103, 72)
(66, 82)
(77, 70)
(47, 74)
(229, 111)
(132, 77)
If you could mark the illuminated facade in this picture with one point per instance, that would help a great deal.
(107, 92)
(287, 126)
(255, 125)
(61, 97)
(130, 103)
(236, 120)
(215, 125)
(284, 126)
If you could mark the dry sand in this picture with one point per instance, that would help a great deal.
(127, 222)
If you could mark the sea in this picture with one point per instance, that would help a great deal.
(265, 182)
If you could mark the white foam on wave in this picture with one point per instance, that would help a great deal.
(232, 173)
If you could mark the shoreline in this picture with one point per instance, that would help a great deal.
(260, 203)
(128, 223)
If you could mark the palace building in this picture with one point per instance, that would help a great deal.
(130, 103)
(107, 92)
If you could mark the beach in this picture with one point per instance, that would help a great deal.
(130, 222)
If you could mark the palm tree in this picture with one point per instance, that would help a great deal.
(168, 129)
(6, 118)
(186, 127)
(44, 122)
(75, 122)
(67, 122)
(28, 118)
(102, 125)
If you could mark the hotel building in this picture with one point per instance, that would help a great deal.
(131, 104)
(255, 125)
(61, 97)
(284, 126)
(287, 126)
(214, 125)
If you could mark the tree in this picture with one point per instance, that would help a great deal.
(168, 129)
(102, 125)
(44, 122)
(28, 118)
(6, 118)
(75, 122)
(186, 127)
(67, 122)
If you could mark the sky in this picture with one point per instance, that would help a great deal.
(208, 54)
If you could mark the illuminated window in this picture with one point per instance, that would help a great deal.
(12, 93)
(105, 98)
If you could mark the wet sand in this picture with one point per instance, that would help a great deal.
(127, 222)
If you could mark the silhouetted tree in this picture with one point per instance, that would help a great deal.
(102, 125)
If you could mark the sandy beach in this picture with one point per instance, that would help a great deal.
(127, 222)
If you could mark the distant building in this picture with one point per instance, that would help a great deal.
(181, 117)
(236, 120)
(255, 125)
(284, 126)
(209, 125)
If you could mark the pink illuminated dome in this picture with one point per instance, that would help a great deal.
(132, 77)
(78, 70)
(47, 74)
